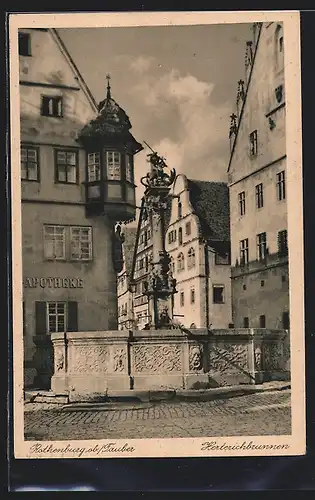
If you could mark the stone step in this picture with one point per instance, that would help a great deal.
(45, 397)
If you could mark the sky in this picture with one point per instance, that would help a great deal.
(177, 84)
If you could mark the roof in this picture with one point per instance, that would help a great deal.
(74, 67)
(210, 201)
(112, 124)
(245, 99)
(130, 234)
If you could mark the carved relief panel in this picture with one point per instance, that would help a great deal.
(85, 359)
(228, 358)
(157, 358)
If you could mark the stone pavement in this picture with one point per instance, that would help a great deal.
(264, 413)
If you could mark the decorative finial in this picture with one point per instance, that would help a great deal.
(108, 77)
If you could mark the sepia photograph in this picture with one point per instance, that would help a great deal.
(157, 235)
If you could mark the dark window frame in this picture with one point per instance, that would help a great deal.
(28, 147)
(253, 143)
(242, 203)
(216, 299)
(66, 151)
(259, 194)
(281, 185)
(261, 242)
(24, 40)
(45, 106)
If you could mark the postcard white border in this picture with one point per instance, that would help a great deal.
(295, 444)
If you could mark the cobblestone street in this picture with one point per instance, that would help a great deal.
(256, 414)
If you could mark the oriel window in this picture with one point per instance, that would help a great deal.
(29, 164)
(66, 167)
(51, 106)
(129, 176)
(113, 165)
(261, 246)
(253, 143)
(94, 169)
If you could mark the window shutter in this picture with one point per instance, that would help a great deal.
(40, 318)
(72, 317)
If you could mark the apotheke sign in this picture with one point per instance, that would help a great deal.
(53, 282)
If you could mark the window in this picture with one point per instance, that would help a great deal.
(259, 196)
(241, 202)
(129, 176)
(192, 295)
(281, 185)
(180, 262)
(262, 283)
(29, 164)
(182, 299)
(66, 167)
(54, 242)
(253, 143)
(191, 260)
(285, 321)
(262, 321)
(180, 236)
(146, 263)
(56, 317)
(244, 251)
(51, 106)
(261, 246)
(188, 228)
(218, 294)
(246, 322)
(94, 169)
(283, 243)
(172, 236)
(51, 317)
(222, 260)
(113, 165)
(179, 208)
(24, 44)
(81, 243)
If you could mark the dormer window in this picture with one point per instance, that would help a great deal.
(113, 165)
(51, 106)
(24, 44)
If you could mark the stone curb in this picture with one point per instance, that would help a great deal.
(146, 396)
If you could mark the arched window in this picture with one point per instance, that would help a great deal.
(191, 260)
(180, 262)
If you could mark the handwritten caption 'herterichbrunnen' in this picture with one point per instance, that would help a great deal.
(53, 282)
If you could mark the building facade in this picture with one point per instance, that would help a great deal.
(198, 243)
(257, 186)
(70, 199)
